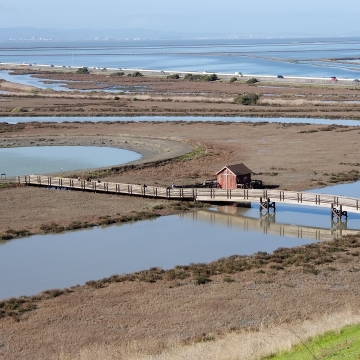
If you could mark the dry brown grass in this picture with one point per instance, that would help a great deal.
(233, 346)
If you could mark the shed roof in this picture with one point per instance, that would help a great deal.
(237, 169)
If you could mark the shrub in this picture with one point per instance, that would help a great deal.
(116, 98)
(82, 70)
(233, 79)
(201, 280)
(137, 74)
(247, 99)
(18, 110)
(119, 73)
(252, 81)
(173, 76)
(191, 77)
(212, 77)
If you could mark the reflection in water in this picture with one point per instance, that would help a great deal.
(30, 265)
(251, 219)
(40, 262)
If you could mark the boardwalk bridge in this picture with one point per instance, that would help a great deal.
(267, 199)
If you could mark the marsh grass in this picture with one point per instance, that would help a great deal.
(262, 343)
(341, 177)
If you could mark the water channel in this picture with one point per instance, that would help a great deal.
(282, 120)
(60, 85)
(30, 265)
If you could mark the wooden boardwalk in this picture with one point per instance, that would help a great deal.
(346, 204)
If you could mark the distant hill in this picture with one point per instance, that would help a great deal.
(30, 33)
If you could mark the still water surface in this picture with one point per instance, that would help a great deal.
(30, 265)
(302, 57)
(282, 120)
(60, 85)
(56, 159)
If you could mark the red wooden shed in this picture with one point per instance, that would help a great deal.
(233, 176)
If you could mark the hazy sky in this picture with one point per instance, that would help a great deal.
(195, 16)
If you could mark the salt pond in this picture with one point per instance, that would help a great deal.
(56, 159)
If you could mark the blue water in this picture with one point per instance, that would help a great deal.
(30, 265)
(57, 159)
(15, 120)
(249, 56)
(41, 262)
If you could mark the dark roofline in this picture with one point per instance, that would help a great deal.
(236, 169)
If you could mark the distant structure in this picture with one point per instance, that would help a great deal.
(234, 176)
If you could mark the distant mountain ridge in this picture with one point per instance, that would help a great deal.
(30, 33)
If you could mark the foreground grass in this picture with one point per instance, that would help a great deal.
(343, 344)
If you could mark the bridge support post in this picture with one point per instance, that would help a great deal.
(267, 205)
(338, 213)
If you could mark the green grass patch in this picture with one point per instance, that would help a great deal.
(343, 344)
(197, 152)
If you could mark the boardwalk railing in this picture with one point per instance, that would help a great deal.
(199, 194)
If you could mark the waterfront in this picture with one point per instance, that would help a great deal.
(302, 57)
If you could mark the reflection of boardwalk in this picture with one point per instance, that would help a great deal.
(199, 194)
(267, 225)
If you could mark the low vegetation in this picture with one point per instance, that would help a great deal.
(191, 77)
(197, 152)
(341, 177)
(252, 81)
(137, 74)
(247, 99)
(82, 70)
(173, 76)
(343, 344)
(233, 79)
(119, 73)
(18, 110)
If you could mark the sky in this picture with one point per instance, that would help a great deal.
(281, 17)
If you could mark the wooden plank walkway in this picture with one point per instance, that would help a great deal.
(210, 195)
